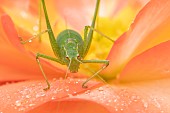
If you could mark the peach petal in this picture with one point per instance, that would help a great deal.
(18, 66)
(26, 64)
(75, 12)
(150, 28)
(73, 105)
(11, 32)
(25, 96)
(151, 64)
(29, 97)
(30, 6)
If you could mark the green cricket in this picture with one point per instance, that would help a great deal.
(69, 47)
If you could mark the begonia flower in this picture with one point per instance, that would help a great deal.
(138, 74)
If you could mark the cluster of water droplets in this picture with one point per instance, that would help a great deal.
(27, 96)
(30, 96)
(120, 99)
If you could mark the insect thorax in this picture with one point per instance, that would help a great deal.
(70, 46)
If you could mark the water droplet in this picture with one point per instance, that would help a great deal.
(115, 100)
(30, 41)
(100, 88)
(116, 109)
(54, 79)
(109, 101)
(35, 28)
(67, 89)
(70, 95)
(134, 98)
(162, 111)
(76, 82)
(21, 109)
(145, 104)
(27, 96)
(31, 105)
(157, 104)
(53, 97)
(17, 103)
(87, 92)
(121, 109)
(41, 94)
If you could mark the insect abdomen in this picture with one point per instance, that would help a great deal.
(62, 39)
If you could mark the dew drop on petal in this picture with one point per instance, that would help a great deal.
(21, 109)
(109, 101)
(87, 92)
(53, 97)
(27, 96)
(31, 105)
(54, 79)
(17, 103)
(145, 104)
(100, 88)
(70, 95)
(67, 89)
(76, 82)
(121, 109)
(35, 28)
(41, 94)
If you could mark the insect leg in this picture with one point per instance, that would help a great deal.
(49, 58)
(88, 38)
(100, 33)
(50, 32)
(33, 37)
(106, 62)
(40, 20)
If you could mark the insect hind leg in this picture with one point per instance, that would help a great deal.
(106, 62)
(99, 32)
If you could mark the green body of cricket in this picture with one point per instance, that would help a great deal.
(69, 47)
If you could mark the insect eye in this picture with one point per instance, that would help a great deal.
(67, 58)
(78, 57)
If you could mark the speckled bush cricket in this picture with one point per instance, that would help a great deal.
(69, 47)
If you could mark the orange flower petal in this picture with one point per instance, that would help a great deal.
(30, 6)
(76, 12)
(18, 66)
(11, 32)
(151, 64)
(29, 97)
(150, 28)
(25, 96)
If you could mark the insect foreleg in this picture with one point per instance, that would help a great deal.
(49, 58)
(33, 37)
(106, 62)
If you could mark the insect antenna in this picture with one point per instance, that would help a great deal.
(66, 22)
(40, 20)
